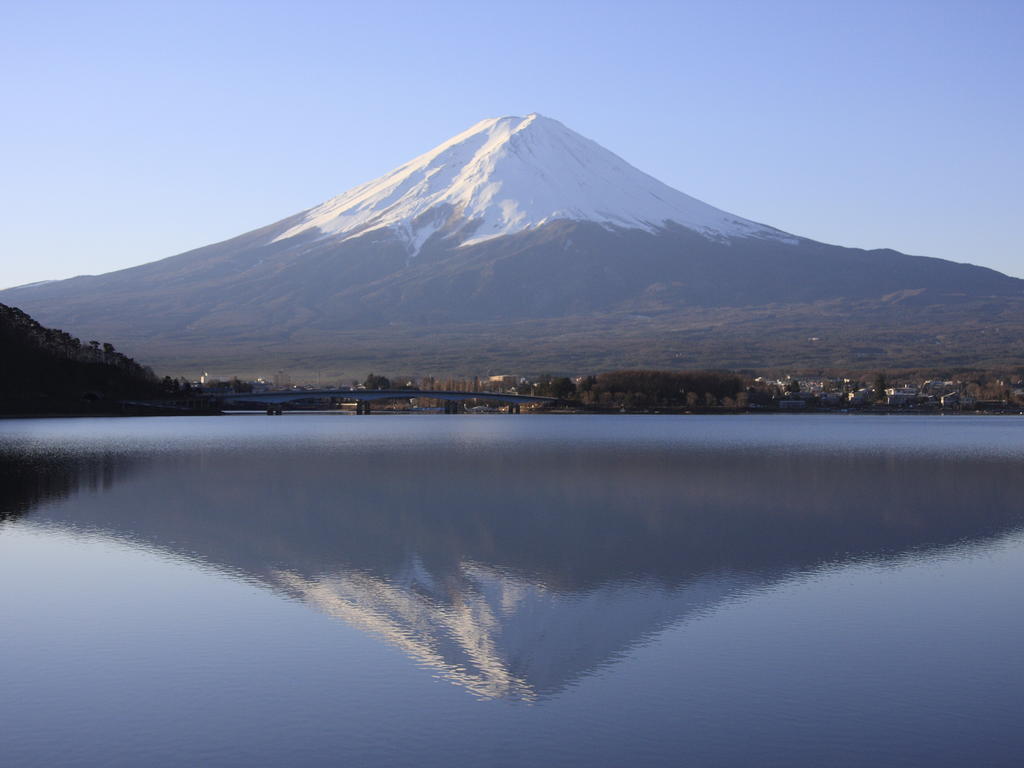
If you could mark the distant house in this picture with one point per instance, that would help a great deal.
(861, 397)
(937, 386)
(901, 396)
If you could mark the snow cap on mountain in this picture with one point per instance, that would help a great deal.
(509, 174)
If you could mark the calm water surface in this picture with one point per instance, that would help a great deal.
(321, 590)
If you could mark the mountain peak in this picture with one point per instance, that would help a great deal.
(510, 174)
(449, 263)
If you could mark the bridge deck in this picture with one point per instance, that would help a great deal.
(373, 394)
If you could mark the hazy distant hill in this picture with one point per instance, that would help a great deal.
(521, 245)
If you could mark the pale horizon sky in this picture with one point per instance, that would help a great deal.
(135, 131)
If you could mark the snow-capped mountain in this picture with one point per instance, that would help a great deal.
(520, 245)
(511, 174)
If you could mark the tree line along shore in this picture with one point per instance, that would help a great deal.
(49, 371)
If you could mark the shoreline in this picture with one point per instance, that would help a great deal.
(161, 412)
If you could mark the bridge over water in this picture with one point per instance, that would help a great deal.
(363, 397)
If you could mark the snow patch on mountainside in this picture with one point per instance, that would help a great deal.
(510, 174)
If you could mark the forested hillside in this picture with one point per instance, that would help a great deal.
(45, 370)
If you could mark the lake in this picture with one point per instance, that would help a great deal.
(415, 590)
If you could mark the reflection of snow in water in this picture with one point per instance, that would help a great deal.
(500, 636)
(456, 641)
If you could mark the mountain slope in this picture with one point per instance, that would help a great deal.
(509, 175)
(522, 221)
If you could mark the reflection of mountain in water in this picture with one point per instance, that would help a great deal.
(516, 573)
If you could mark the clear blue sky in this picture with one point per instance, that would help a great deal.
(133, 131)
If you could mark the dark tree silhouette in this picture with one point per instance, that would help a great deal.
(48, 370)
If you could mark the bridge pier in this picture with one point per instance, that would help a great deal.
(451, 406)
(513, 407)
(362, 407)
